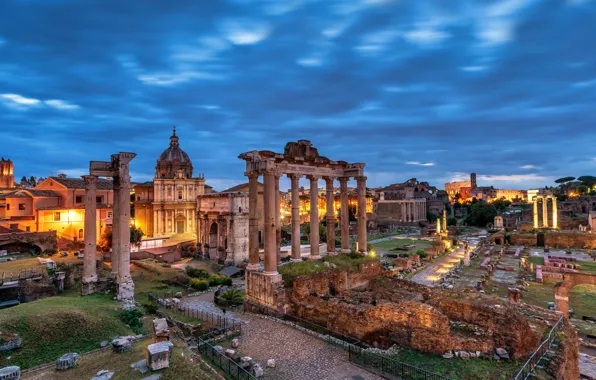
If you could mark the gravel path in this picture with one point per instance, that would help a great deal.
(297, 355)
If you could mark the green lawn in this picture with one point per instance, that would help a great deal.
(390, 245)
(54, 326)
(22, 264)
(472, 369)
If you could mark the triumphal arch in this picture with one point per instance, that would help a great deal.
(300, 159)
(118, 170)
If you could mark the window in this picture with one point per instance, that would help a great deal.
(56, 216)
(8, 207)
(179, 194)
(110, 214)
(14, 226)
(21, 206)
(79, 199)
(28, 229)
(98, 199)
(81, 233)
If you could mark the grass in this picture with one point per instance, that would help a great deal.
(54, 326)
(22, 264)
(390, 245)
(291, 271)
(535, 260)
(182, 366)
(151, 282)
(456, 368)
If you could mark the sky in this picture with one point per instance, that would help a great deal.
(426, 89)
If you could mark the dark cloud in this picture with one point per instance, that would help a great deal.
(503, 88)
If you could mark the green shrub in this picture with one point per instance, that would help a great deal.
(197, 272)
(150, 308)
(421, 253)
(132, 317)
(198, 284)
(233, 295)
(220, 280)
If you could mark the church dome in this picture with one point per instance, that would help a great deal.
(173, 161)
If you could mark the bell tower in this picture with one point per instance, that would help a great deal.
(6, 174)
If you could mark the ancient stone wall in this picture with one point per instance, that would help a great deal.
(570, 239)
(524, 239)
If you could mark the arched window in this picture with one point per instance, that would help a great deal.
(81, 233)
(179, 194)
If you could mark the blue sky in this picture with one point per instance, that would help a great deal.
(425, 89)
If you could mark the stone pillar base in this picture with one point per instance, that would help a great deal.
(317, 257)
(275, 276)
(87, 288)
(253, 267)
(126, 290)
(345, 251)
(296, 260)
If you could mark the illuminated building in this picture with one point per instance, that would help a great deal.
(6, 174)
(57, 204)
(454, 188)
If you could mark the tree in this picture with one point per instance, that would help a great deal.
(105, 240)
(564, 180)
(582, 189)
(501, 204)
(24, 182)
(587, 180)
(481, 213)
(32, 181)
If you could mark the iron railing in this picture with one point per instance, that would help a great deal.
(213, 319)
(358, 353)
(540, 352)
(226, 364)
(390, 367)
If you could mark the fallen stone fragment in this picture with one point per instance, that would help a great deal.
(67, 361)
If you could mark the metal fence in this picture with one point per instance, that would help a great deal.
(358, 354)
(390, 367)
(540, 352)
(226, 364)
(212, 319)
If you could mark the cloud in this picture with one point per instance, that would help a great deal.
(245, 32)
(473, 68)
(425, 36)
(169, 79)
(61, 104)
(420, 163)
(309, 62)
(528, 167)
(519, 178)
(19, 100)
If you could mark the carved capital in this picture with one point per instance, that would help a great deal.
(90, 182)
(343, 180)
(294, 177)
(253, 174)
(313, 177)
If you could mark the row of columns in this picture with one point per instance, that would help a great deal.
(544, 200)
(413, 211)
(272, 238)
(162, 216)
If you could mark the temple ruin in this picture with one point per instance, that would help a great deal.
(543, 199)
(118, 170)
(299, 159)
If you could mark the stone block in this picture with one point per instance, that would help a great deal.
(219, 349)
(246, 359)
(258, 370)
(159, 355)
(123, 344)
(10, 373)
(104, 344)
(271, 363)
(104, 374)
(140, 366)
(160, 327)
(502, 353)
(235, 343)
(11, 344)
(67, 361)
(230, 353)
(155, 376)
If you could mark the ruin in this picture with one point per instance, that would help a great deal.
(118, 170)
(298, 160)
(543, 199)
(570, 280)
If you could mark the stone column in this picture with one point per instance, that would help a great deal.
(330, 216)
(253, 221)
(314, 218)
(270, 227)
(403, 212)
(125, 284)
(89, 264)
(535, 204)
(466, 257)
(278, 218)
(115, 229)
(545, 211)
(345, 215)
(296, 255)
(361, 183)
(555, 213)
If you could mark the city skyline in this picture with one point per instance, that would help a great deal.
(414, 90)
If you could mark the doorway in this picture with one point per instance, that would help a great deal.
(180, 227)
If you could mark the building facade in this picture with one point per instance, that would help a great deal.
(6, 174)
